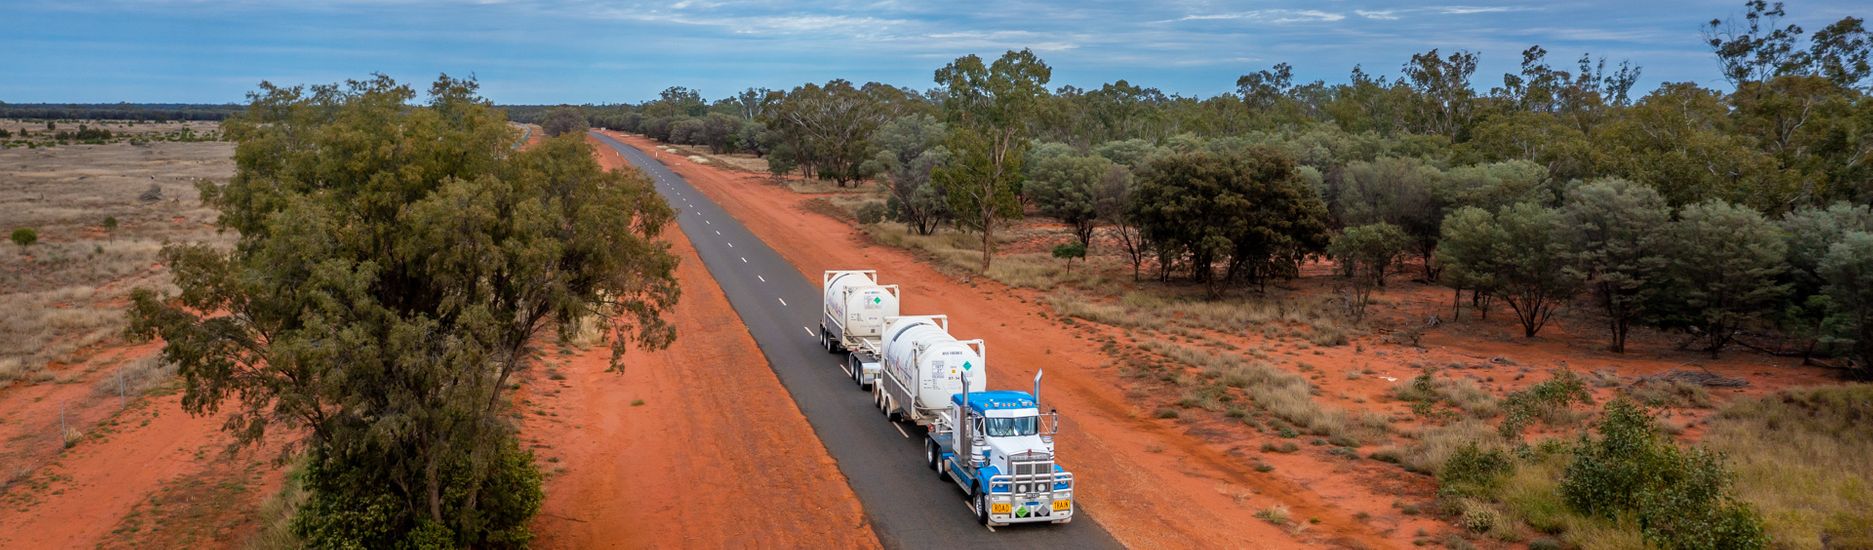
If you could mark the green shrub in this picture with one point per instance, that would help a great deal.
(871, 213)
(24, 237)
(1680, 498)
(348, 509)
(1478, 517)
(1544, 401)
(1473, 469)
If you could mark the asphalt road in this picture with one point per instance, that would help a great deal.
(906, 503)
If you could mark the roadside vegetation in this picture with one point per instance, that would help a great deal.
(1693, 220)
(421, 276)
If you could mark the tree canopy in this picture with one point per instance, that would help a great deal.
(395, 266)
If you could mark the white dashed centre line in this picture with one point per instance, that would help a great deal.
(848, 372)
(744, 259)
(809, 332)
(718, 232)
(731, 245)
(900, 430)
(763, 279)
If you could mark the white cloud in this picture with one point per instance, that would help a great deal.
(992, 40)
(1270, 16)
(1469, 10)
(1383, 15)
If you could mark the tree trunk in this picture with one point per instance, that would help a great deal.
(988, 238)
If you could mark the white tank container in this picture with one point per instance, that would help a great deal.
(856, 303)
(920, 354)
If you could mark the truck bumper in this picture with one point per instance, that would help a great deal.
(1005, 509)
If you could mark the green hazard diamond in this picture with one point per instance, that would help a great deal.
(1021, 512)
(966, 365)
(877, 300)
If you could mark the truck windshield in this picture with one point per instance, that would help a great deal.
(1006, 427)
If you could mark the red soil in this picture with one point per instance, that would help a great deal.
(632, 457)
(1178, 483)
(1163, 486)
(65, 498)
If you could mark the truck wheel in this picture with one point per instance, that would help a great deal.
(930, 453)
(982, 508)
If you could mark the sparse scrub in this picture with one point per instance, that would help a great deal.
(1432, 447)
(1547, 401)
(1277, 514)
(1286, 395)
(1669, 393)
(1426, 391)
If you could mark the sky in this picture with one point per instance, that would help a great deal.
(609, 51)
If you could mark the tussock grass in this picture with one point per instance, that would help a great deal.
(1431, 447)
(1277, 514)
(1804, 458)
(46, 326)
(1669, 393)
(136, 377)
(1283, 394)
(1083, 307)
(67, 295)
(1184, 316)
(276, 515)
(1429, 389)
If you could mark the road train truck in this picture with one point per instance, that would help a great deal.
(852, 320)
(923, 366)
(999, 447)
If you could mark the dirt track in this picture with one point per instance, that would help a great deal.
(669, 453)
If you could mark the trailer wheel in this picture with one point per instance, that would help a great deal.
(982, 508)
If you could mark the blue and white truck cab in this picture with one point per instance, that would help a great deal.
(999, 448)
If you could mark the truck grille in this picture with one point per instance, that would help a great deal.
(1031, 473)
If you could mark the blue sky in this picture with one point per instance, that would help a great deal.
(582, 51)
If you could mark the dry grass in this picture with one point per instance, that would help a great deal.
(1462, 393)
(1669, 393)
(1277, 514)
(1432, 446)
(1531, 496)
(1301, 316)
(136, 377)
(1286, 395)
(66, 295)
(1804, 458)
(121, 131)
(276, 516)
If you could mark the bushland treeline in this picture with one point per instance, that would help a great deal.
(159, 112)
(1717, 213)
